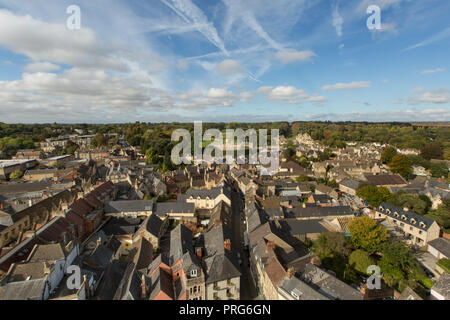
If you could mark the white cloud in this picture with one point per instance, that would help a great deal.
(338, 21)
(430, 71)
(192, 14)
(439, 96)
(219, 93)
(41, 67)
(289, 56)
(43, 41)
(229, 67)
(347, 86)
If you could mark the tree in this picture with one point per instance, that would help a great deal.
(331, 244)
(367, 233)
(439, 170)
(16, 175)
(360, 260)
(387, 154)
(417, 204)
(147, 197)
(397, 263)
(402, 165)
(442, 215)
(373, 195)
(99, 141)
(432, 151)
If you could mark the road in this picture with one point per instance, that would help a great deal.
(248, 289)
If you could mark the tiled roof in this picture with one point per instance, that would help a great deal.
(442, 245)
(385, 179)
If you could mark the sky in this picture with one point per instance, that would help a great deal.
(224, 60)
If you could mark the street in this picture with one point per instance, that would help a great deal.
(248, 290)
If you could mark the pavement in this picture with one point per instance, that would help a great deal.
(428, 261)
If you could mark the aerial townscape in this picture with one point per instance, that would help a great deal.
(137, 227)
(224, 158)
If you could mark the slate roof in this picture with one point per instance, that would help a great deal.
(255, 217)
(301, 227)
(163, 208)
(32, 270)
(321, 198)
(409, 215)
(121, 226)
(442, 245)
(204, 193)
(324, 189)
(18, 188)
(385, 179)
(152, 224)
(24, 290)
(220, 264)
(144, 253)
(442, 286)
(350, 183)
(111, 280)
(47, 252)
(128, 206)
(300, 289)
(161, 281)
(319, 211)
(329, 285)
(180, 243)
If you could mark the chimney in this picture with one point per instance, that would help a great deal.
(405, 209)
(86, 287)
(99, 241)
(227, 244)
(199, 254)
(143, 287)
(290, 272)
(270, 245)
(316, 261)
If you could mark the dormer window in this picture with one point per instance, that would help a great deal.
(396, 214)
(388, 211)
(194, 273)
(296, 295)
(404, 217)
(423, 225)
(413, 221)
(381, 209)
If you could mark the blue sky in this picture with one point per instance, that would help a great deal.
(227, 60)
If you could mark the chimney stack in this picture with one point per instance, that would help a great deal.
(86, 287)
(316, 261)
(227, 244)
(143, 287)
(270, 245)
(290, 272)
(199, 254)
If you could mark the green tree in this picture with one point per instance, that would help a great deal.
(367, 233)
(387, 154)
(16, 175)
(442, 215)
(397, 263)
(99, 141)
(402, 165)
(331, 244)
(360, 260)
(373, 195)
(439, 170)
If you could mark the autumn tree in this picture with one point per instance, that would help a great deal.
(402, 165)
(387, 154)
(367, 234)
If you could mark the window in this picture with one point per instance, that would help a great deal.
(411, 228)
(194, 273)
(295, 295)
(420, 231)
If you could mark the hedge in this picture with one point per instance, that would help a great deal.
(444, 263)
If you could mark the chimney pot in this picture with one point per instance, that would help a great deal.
(227, 244)
(143, 287)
